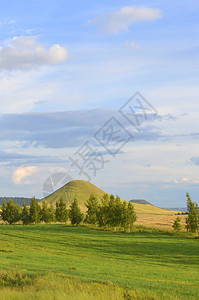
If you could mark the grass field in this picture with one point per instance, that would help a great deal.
(160, 266)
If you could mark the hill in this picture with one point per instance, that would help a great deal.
(81, 190)
(140, 201)
(180, 209)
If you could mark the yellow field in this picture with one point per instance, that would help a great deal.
(157, 220)
(152, 216)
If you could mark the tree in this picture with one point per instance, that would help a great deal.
(102, 216)
(124, 215)
(192, 221)
(13, 212)
(118, 212)
(92, 210)
(3, 211)
(35, 211)
(25, 216)
(46, 212)
(110, 216)
(176, 225)
(75, 214)
(114, 212)
(130, 216)
(51, 213)
(61, 213)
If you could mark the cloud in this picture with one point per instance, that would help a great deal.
(18, 159)
(64, 129)
(122, 19)
(194, 160)
(25, 52)
(132, 45)
(23, 172)
(183, 180)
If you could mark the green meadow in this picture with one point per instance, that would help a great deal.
(60, 261)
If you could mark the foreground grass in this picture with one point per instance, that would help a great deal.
(19, 286)
(145, 264)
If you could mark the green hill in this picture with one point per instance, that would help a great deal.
(81, 190)
(140, 201)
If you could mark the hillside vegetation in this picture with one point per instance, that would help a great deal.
(79, 189)
(82, 190)
(148, 215)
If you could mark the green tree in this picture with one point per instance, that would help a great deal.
(130, 216)
(124, 215)
(92, 210)
(35, 211)
(46, 214)
(103, 210)
(177, 225)
(118, 212)
(110, 216)
(25, 216)
(13, 212)
(61, 212)
(192, 221)
(51, 214)
(114, 212)
(3, 211)
(75, 214)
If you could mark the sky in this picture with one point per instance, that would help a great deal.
(105, 91)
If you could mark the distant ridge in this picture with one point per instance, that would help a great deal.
(140, 201)
(180, 209)
(17, 200)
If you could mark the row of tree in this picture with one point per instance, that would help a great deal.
(13, 213)
(111, 212)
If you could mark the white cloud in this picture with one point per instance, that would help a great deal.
(186, 180)
(19, 90)
(25, 52)
(122, 19)
(132, 45)
(23, 172)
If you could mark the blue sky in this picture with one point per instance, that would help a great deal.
(67, 67)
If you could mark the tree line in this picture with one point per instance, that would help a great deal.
(35, 214)
(110, 212)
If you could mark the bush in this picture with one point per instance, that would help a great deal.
(176, 225)
(15, 279)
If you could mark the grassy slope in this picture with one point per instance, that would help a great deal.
(164, 265)
(82, 189)
(148, 215)
(62, 287)
(77, 188)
